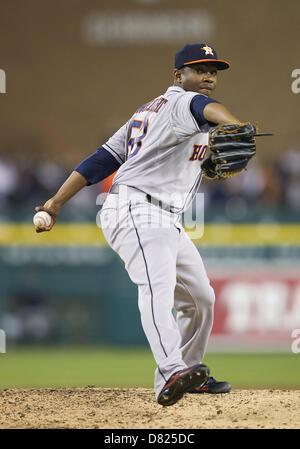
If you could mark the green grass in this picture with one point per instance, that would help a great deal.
(123, 367)
(256, 370)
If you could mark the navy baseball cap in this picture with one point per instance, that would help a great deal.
(192, 53)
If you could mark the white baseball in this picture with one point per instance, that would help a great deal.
(42, 218)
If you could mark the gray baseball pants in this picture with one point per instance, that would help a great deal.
(175, 298)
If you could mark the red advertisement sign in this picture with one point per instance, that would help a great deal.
(258, 307)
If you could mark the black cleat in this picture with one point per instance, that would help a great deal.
(182, 382)
(211, 386)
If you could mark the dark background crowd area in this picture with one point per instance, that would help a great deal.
(77, 70)
(265, 191)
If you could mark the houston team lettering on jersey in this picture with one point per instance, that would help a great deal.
(161, 148)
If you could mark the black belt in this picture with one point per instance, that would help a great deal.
(150, 199)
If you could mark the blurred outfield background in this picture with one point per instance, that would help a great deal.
(75, 71)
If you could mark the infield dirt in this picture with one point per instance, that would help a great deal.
(136, 408)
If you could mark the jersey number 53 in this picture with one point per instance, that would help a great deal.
(135, 143)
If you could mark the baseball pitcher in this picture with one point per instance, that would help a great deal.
(160, 155)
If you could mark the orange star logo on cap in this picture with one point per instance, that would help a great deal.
(208, 50)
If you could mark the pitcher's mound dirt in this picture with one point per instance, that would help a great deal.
(136, 408)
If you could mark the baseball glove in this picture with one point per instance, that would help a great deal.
(231, 147)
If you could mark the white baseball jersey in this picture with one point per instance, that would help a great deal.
(161, 148)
